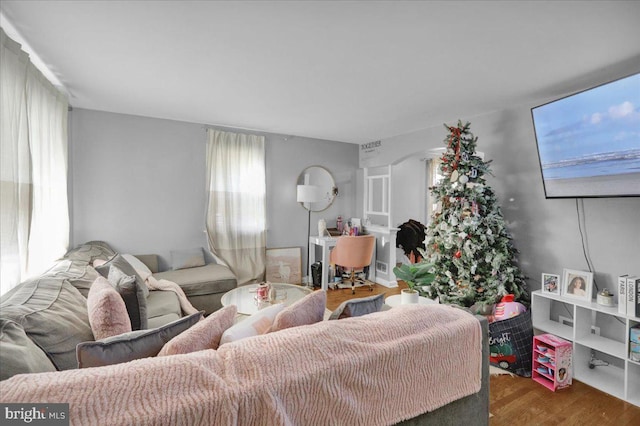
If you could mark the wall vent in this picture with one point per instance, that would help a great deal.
(381, 267)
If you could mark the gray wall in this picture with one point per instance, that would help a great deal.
(139, 183)
(544, 231)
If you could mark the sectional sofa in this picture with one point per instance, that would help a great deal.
(411, 365)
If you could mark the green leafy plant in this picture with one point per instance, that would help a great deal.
(416, 274)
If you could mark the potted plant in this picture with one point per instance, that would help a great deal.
(415, 275)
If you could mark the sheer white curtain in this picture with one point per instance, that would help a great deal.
(236, 207)
(34, 225)
(47, 111)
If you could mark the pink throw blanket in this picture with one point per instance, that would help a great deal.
(375, 370)
(166, 285)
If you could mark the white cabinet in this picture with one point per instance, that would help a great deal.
(600, 337)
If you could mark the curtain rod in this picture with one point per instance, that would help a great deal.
(206, 127)
(218, 126)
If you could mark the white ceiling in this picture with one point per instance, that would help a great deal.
(347, 71)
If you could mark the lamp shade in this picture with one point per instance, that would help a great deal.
(308, 193)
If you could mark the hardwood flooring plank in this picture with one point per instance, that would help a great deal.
(521, 400)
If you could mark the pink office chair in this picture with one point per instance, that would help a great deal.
(354, 253)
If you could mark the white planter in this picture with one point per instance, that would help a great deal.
(408, 297)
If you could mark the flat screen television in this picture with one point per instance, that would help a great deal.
(589, 142)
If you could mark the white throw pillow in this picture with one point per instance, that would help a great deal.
(256, 324)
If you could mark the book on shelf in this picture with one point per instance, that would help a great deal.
(634, 343)
(622, 294)
(637, 311)
(632, 295)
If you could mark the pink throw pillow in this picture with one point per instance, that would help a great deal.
(308, 310)
(205, 334)
(107, 312)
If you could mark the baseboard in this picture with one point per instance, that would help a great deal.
(385, 283)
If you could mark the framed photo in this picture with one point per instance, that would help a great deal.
(551, 283)
(284, 265)
(577, 284)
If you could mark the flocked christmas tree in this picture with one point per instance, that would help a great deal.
(467, 242)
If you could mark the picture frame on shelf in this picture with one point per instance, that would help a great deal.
(577, 284)
(284, 265)
(550, 283)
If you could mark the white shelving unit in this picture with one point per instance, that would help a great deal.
(576, 320)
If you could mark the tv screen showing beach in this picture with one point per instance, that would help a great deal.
(589, 143)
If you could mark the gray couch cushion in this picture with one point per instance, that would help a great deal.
(18, 353)
(150, 260)
(358, 307)
(90, 251)
(161, 320)
(208, 279)
(162, 308)
(53, 313)
(124, 266)
(185, 259)
(134, 345)
(78, 273)
(133, 294)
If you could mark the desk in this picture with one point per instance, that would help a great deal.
(327, 243)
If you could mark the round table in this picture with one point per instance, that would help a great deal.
(394, 301)
(244, 297)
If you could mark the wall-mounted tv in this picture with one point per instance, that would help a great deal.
(589, 142)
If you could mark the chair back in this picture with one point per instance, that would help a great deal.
(353, 251)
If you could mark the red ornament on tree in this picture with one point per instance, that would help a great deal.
(458, 254)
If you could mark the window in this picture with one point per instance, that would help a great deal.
(34, 224)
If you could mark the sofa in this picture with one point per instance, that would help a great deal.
(43, 319)
(203, 284)
(406, 365)
(410, 365)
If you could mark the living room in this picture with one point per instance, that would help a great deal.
(137, 173)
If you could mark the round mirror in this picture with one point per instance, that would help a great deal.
(316, 189)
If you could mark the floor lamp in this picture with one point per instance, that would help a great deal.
(307, 194)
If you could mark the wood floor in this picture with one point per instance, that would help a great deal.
(520, 401)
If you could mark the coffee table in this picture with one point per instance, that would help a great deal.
(244, 297)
